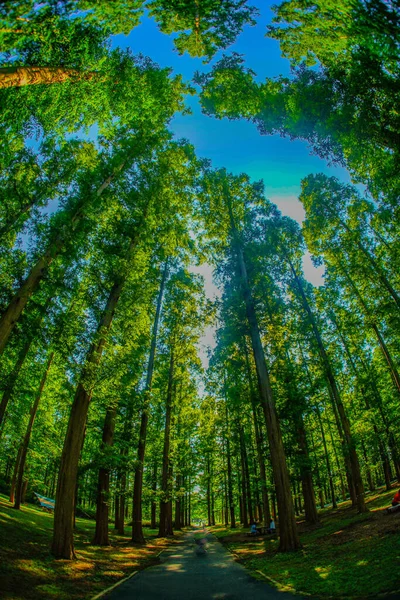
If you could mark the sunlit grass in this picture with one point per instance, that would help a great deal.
(348, 556)
(28, 571)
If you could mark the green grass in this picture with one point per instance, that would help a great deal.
(348, 556)
(28, 571)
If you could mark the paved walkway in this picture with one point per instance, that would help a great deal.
(184, 574)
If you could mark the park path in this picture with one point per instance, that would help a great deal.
(183, 574)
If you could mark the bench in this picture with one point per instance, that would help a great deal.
(45, 503)
(393, 509)
(262, 531)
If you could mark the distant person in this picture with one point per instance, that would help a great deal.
(253, 529)
(396, 499)
(272, 527)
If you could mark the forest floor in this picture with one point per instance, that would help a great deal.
(346, 556)
(28, 571)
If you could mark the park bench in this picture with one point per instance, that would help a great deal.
(393, 509)
(45, 503)
(262, 531)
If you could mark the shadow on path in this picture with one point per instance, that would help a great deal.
(186, 573)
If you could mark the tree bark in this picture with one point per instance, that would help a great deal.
(12, 379)
(259, 445)
(289, 539)
(137, 529)
(350, 448)
(15, 475)
(18, 303)
(165, 483)
(63, 543)
(27, 438)
(21, 76)
(101, 537)
(310, 507)
(153, 499)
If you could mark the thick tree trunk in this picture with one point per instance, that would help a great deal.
(103, 486)
(27, 438)
(21, 76)
(137, 530)
(15, 308)
(63, 543)
(350, 449)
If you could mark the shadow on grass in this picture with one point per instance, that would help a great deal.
(28, 571)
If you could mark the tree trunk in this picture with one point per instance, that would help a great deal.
(15, 474)
(27, 438)
(12, 379)
(310, 507)
(350, 449)
(63, 543)
(327, 459)
(21, 76)
(289, 539)
(165, 483)
(103, 486)
(15, 308)
(259, 444)
(137, 530)
(153, 499)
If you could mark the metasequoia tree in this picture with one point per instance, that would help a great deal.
(230, 197)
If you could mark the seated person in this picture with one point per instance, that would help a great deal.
(396, 499)
(272, 527)
(253, 529)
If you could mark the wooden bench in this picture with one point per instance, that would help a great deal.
(262, 531)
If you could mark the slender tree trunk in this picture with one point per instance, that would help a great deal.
(259, 444)
(209, 517)
(310, 507)
(12, 379)
(385, 351)
(15, 474)
(153, 498)
(27, 438)
(165, 483)
(101, 537)
(229, 467)
(289, 539)
(21, 76)
(350, 449)
(18, 303)
(63, 543)
(137, 529)
(327, 459)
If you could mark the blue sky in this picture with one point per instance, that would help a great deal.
(237, 145)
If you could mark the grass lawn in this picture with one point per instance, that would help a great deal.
(346, 556)
(28, 571)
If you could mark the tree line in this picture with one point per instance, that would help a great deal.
(102, 215)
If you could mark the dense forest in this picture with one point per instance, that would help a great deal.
(105, 404)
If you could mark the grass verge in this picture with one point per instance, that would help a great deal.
(28, 571)
(346, 556)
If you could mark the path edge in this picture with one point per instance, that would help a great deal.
(110, 589)
(120, 582)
